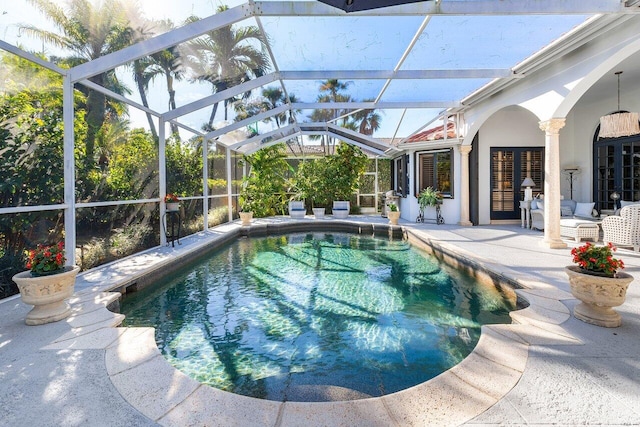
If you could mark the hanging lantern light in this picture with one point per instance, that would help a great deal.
(620, 123)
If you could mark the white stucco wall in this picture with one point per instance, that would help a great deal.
(450, 209)
(510, 127)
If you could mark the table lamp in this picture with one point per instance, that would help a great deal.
(528, 192)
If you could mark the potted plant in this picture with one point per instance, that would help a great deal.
(393, 214)
(246, 205)
(172, 201)
(246, 211)
(429, 197)
(47, 285)
(597, 282)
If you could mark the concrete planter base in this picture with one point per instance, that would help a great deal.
(47, 294)
(598, 295)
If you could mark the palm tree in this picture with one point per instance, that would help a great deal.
(89, 32)
(293, 113)
(225, 57)
(275, 97)
(368, 121)
(167, 62)
(329, 92)
(333, 86)
(142, 77)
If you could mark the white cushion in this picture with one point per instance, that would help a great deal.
(584, 209)
(573, 223)
(540, 204)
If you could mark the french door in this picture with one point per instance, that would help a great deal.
(509, 167)
(616, 169)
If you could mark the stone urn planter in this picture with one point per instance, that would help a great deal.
(246, 218)
(318, 213)
(48, 294)
(393, 217)
(598, 294)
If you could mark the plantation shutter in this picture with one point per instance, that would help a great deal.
(427, 165)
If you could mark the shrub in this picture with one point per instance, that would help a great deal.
(10, 264)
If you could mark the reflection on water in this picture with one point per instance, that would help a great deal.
(316, 317)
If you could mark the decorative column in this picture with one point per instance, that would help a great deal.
(551, 130)
(464, 185)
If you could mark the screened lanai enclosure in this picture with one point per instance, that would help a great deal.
(108, 106)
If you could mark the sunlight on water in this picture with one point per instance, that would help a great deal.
(273, 316)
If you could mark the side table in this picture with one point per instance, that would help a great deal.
(525, 213)
(173, 226)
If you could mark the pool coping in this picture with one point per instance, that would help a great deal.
(151, 385)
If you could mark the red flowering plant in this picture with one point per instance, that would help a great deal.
(597, 259)
(46, 259)
(171, 198)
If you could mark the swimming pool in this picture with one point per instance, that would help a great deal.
(316, 316)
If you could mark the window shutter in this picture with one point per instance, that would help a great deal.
(427, 166)
(393, 174)
(405, 171)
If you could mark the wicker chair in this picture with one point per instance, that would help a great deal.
(623, 230)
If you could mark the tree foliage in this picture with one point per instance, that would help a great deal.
(331, 178)
(264, 189)
(31, 144)
(87, 32)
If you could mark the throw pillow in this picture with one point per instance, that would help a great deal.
(565, 211)
(540, 204)
(584, 209)
(624, 203)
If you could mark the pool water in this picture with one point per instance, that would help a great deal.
(316, 317)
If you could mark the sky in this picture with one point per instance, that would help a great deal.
(345, 43)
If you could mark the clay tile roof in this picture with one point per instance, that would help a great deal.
(434, 134)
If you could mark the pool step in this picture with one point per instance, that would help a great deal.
(322, 393)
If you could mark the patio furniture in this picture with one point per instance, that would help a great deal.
(623, 230)
(297, 209)
(568, 209)
(624, 203)
(341, 209)
(580, 229)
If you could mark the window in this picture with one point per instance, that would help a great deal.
(400, 175)
(435, 169)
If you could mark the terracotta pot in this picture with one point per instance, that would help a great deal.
(393, 217)
(598, 295)
(246, 217)
(47, 294)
